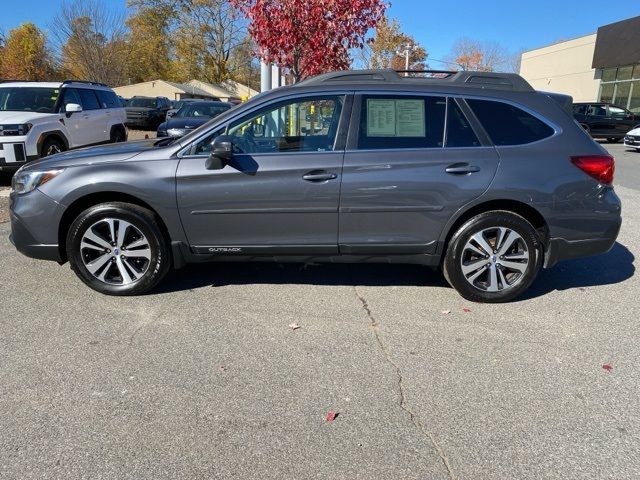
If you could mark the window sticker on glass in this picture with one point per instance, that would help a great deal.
(381, 118)
(410, 118)
(395, 118)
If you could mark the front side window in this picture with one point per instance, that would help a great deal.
(507, 124)
(70, 95)
(28, 99)
(308, 125)
(617, 112)
(392, 122)
(597, 111)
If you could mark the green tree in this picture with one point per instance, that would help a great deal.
(149, 42)
(91, 41)
(384, 49)
(25, 55)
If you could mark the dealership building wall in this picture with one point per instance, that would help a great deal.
(604, 66)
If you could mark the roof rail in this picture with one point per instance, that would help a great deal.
(86, 82)
(483, 80)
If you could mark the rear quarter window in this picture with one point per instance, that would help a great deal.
(108, 99)
(509, 125)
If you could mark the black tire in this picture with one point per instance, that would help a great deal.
(452, 262)
(51, 146)
(118, 135)
(144, 222)
(613, 140)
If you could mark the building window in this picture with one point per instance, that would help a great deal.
(618, 86)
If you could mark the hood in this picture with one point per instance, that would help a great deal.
(185, 122)
(635, 131)
(13, 118)
(115, 152)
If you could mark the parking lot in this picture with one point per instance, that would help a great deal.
(206, 379)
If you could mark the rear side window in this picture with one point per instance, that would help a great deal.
(509, 125)
(89, 99)
(392, 122)
(107, 99)
(579, 109)
(459, 131)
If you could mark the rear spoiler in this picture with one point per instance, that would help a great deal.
(565, 101)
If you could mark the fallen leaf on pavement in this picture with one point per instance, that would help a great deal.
(294, 326)
(446, 312)
(221, 368)
(608, 367)
(331, 416)
(466, 310)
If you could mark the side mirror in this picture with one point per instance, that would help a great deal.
(72, 108)
(221, 153)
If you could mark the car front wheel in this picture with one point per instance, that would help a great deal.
(118, 249)
(493, 257)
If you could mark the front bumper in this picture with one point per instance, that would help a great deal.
(34, 225)
(632, 141)
(13, 153)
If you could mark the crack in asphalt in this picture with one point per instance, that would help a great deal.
(401, 389)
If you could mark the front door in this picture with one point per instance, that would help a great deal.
(280, 192)
(403, 178)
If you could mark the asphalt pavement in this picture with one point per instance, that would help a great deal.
(205, 379)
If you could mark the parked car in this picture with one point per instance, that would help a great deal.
(476, 172)
(177, 105)
(38, 119)
(190, 116)
(146, 113)
(604, 120)
(632, 139)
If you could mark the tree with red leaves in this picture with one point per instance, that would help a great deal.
(308, 37)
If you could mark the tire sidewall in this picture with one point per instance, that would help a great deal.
(138, 217)
(453, 270)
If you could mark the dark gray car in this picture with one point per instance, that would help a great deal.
(474, 172)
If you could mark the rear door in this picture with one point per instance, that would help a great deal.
(94, 125)
(404, 176)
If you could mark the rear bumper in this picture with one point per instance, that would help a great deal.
(560, 249)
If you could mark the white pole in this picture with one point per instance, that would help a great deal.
(265, 77)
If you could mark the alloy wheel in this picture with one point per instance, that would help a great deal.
(115, 252)
(495, 259)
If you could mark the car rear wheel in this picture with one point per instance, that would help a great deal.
(613, 140)
(118, 249)
(494, 257)
(118, 136)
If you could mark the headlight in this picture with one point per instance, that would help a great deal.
(15, 130)
(25, 182)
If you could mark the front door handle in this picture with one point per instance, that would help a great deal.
(319, 176)
(462, 169)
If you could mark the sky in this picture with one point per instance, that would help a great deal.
(436, 25)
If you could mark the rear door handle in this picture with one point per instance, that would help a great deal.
(319, 176)
(462, 169)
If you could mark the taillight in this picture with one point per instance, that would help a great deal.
(600, 167)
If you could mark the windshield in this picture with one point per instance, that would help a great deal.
(200, 110)
(142, 102)
(28, 99)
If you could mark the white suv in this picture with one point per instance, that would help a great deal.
(38, 119)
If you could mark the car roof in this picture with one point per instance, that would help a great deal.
(63, 84)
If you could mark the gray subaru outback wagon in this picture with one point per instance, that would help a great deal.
(474, 172)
